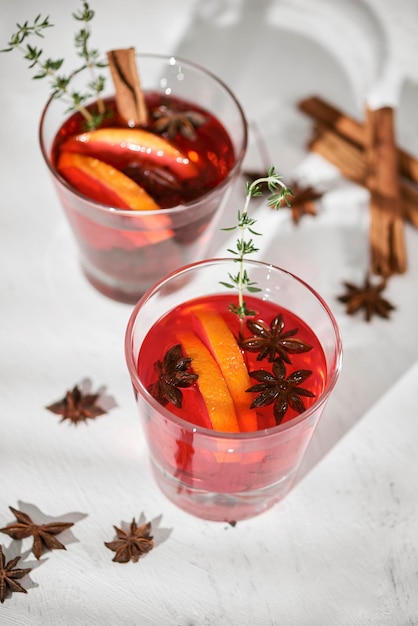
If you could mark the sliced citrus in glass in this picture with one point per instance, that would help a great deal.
(103, 183)
(224, 347)
(133, 144)
(211, 383)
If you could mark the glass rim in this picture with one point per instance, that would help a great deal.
(201, 430)
(104, 208)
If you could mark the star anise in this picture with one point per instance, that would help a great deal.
(9, 575)
(303, 201)
(77, 406)
(174, 122)
(43, 534)
(274, 388)
(131, 546)
(173, 372)
(367, 297)
(273, 340)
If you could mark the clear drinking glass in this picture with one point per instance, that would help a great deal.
(124, 252)
(217, 475)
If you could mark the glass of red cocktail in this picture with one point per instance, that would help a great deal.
(229, 405)
(186, 162)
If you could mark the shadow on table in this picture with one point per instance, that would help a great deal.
(271, 59)
(274, 53)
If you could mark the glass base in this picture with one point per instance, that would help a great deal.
(220, 507)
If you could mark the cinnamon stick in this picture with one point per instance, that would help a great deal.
(346, 156)
(353, 130)
(130, 100)
(388, 255)
(325, 113)
(350, 160)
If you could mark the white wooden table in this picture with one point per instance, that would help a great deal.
(342, 548)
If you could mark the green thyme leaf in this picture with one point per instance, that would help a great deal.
(243, 246)
(49, 68)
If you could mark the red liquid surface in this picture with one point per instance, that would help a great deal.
(226, 465)
(164, 334)
(123, 255)
(210, 148)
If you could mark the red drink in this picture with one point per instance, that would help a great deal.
(167, 332)
(216, 473)
(209, 148)
(197, 465)
(143, 201)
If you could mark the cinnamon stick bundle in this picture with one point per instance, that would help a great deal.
(367, 154)
(351, 161)
(353, 130)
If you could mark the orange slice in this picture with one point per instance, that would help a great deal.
(211, 383)
(223, 345)
(104, 183)
(139, 145)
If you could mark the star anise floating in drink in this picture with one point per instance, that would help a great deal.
(173, 373)
(174, 122)
(77, 406)
(44, 535)
(274, 388)
(367, 297)
(273, 341)
(130, 546)
(10, 574)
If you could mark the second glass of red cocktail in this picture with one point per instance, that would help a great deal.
(229, 404)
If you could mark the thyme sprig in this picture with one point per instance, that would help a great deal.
(279, 193)
(50, 68)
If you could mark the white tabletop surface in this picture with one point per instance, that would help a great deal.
(342, 548)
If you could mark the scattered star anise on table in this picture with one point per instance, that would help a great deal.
(274, 388)
(9, 575)
(43, 534)
(303, 201)
(130, 546)
(273, 341)
(367, 297)
(173, 372)
(175, 122)
(77, 406)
